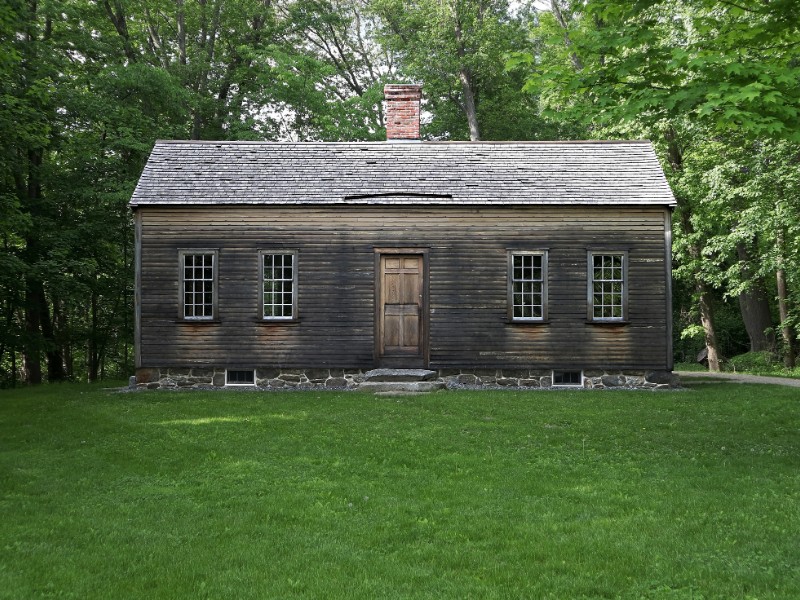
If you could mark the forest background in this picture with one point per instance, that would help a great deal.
(87, 86)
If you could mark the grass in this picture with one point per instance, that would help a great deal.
(614, 494)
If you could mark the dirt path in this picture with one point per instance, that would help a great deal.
(688, 376)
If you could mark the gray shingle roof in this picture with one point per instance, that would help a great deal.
(594, 173)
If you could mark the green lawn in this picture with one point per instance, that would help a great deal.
(686, 494)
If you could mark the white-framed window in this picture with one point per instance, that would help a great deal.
(567, 378)
(198, 284)
(608, 286)
(240, 377)
(527, 285)
(278, 285)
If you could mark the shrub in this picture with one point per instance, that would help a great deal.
(763, 361)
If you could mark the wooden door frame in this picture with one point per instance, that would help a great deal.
(379, 252)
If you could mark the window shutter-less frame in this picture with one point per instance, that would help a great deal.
(198, 271)
(278, 285)
(527, 286)
(607, 286)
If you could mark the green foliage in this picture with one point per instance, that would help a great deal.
(87, 87)
(330, 78)
(688, 334)
(714, 85)
(761, 363)
(754, 362)
(729, 70)
(743, 215)
(691, 367)
(457, 45)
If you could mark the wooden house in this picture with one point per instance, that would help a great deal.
(285, 264)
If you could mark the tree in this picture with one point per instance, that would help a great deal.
(458, 48)
(83, 117)
(705, 80)
(29, 73)
(328, 73)
(16, 124)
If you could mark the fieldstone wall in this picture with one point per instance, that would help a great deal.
(154, 379)
(268, 378)
(539, 378)
(619, 379)
(345, 379)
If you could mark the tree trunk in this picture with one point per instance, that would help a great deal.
(701, 288)
(181, 19)
(61, 320)
(55, 354)
(555, 8)
(469, 105)
(55, 360)
(117, 16)
(754, 306)
(783, 307)
(13, 368)
(31, 359)
(11, 340)
(92, 349)
(707, 320)
(39, 334)
(467, 85)
(34, 289)
(786, 329)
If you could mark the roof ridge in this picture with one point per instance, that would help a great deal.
(405, 144)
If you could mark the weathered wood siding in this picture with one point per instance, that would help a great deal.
(468, 322)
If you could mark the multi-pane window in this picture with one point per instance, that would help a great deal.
(279, 285)
(198, 274)
(528, 286)
(607, 286)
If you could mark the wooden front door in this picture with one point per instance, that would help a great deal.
(401, 311)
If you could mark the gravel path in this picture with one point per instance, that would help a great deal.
(688, 376)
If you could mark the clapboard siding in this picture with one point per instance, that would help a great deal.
(467, 254)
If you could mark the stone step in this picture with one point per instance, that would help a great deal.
(414, 387)
(380, 375)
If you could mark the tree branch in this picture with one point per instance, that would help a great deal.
(744, 8)
(118, 20)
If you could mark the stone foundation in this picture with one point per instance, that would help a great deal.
(350, 379)
(268, 378)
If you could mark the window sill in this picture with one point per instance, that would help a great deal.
(525, 322)
(609, 323)
(198, 321)
(277, 321)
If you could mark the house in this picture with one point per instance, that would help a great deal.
(309, 264)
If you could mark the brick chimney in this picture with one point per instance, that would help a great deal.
(402, 111)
